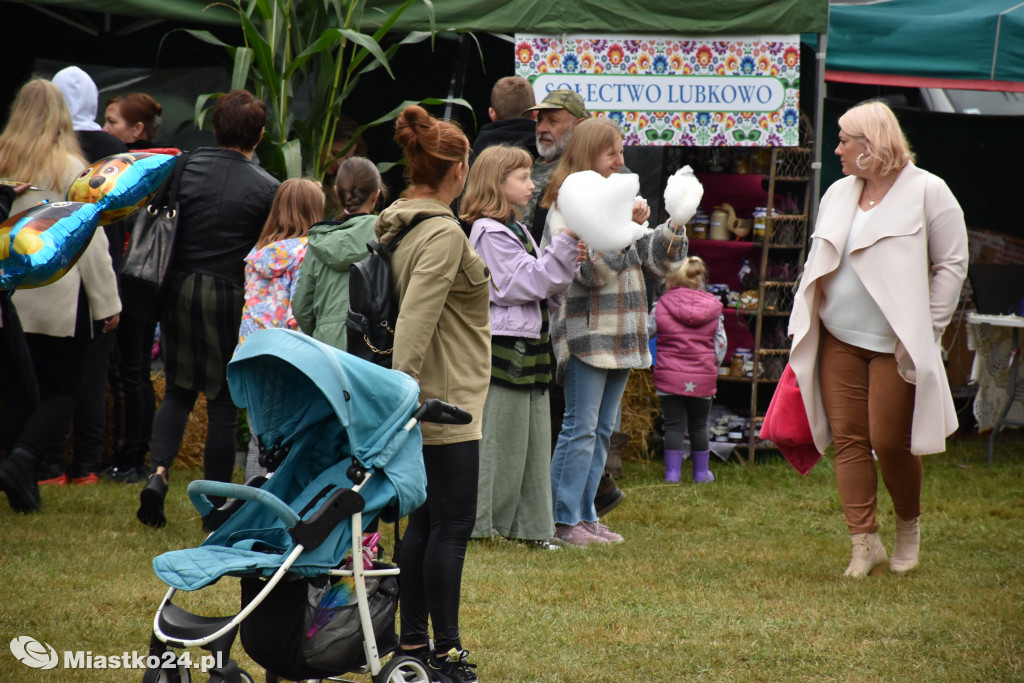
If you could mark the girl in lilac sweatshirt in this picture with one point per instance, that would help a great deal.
(514, 495)
(690, 346)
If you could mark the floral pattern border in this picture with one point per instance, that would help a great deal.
(774, 56)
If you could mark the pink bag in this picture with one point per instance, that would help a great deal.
(786, 425)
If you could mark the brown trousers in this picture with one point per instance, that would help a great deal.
(869, 406)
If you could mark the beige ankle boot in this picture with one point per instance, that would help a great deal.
(908, 540)
(868, 555)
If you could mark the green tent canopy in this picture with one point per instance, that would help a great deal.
(735, 17)
(967, 44)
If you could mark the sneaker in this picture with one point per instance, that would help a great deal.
(576, 535)
(453, 667)
(542, 544)
(87, 480)
(602, 531)
(54, 481)
(18, 482)
(126, 476)
(608, 495)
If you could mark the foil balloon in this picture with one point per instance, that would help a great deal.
(42, 243)
(121, 183)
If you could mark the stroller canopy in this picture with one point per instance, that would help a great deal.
(327, 406)
(291, 384)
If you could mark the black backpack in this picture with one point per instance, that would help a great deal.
(373, 306)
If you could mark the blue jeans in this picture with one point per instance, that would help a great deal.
(592, 397)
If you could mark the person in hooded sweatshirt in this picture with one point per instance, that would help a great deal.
(272, 272)
(90, 421)
(690, 346)
(321, 298)
(443, 341)
(82, 97)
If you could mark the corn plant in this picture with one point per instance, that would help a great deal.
(304, 58)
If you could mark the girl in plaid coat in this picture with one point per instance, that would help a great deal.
(599, 333)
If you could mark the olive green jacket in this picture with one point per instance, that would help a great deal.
(443, 333)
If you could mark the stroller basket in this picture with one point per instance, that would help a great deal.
(277, 633)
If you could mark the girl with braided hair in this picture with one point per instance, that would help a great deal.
(320, 304)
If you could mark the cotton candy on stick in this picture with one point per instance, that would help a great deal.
(683, 193)
(600, 210)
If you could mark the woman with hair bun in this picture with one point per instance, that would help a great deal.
(134, 119)
(443, 341)
(321, 297)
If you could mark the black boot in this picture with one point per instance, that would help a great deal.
(608, 495)
(18, 481)
(151, 502)
(613, 463)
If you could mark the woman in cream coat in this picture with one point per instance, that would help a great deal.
(38, 144)
(882, 279)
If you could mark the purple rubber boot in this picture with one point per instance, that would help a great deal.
(701, 473)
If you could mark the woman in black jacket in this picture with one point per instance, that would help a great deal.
(224, 199)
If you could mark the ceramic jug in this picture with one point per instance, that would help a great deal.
(718, 224)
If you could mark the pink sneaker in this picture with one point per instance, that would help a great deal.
(576, 535)
(603, 532)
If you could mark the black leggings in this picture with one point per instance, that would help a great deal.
(169, 429)
(434, 546)
(682, 414)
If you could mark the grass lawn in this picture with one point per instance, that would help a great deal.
(740, 580)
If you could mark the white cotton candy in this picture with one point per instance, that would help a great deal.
(683, 193)
(600, 210)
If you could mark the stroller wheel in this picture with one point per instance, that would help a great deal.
(180, 674)
(403, 670)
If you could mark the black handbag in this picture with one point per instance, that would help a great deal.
(150, 249)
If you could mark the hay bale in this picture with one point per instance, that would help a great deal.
(190, 455)
(640, 408)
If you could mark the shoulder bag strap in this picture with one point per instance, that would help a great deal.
(168, 193)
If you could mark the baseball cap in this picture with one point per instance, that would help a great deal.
(568, 100)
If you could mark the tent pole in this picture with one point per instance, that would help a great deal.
(819, 120)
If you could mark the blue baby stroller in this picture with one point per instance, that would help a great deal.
(341, 439)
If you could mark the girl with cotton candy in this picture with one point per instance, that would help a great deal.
(514, 493)
(599, 333)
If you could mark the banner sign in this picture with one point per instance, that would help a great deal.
(727, 91)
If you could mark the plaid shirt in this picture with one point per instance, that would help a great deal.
(603, 319)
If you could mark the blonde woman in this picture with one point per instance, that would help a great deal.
(514, 495)
(39, 145)
(882, 279)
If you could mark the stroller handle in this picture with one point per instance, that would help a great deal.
(199, 490)
(436, 410)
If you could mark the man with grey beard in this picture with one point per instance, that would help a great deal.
(557, 115)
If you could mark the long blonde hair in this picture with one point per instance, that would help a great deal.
(298, 204)
(589, 138)
(39, 145)
(483, 197)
